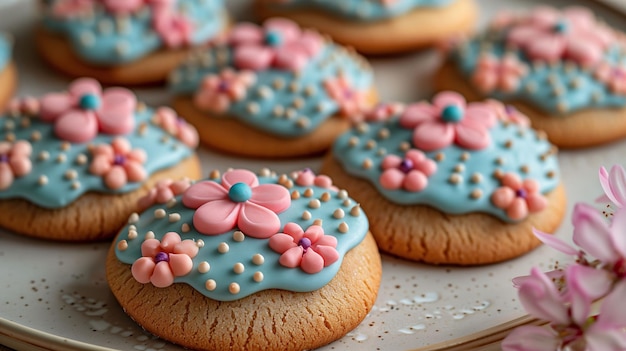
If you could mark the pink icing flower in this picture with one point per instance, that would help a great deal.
(508, 113)
(239, 201)
(384, 111)
(84, 110)
(164, 191)
(493, 73)
(118, 164)
(74, 8)
(14, 161)
(518, 197)
(218, 91)
(164, 260)
(551, 35)
(279, 43)
(613, 76)
(168, 119)
(352, 102)
(410, 173)
(449, 120)
(310, 250)
(613, 183)
(175, 29)
(307, 177)
(27, 105)
(388, 3)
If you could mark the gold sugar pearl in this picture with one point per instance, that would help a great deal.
(258, 259)
(223, 248)
(204, 267)
(239, 268)
(238, 236)
(122, 245)
(210, 285)
(234, 288)
(258, 277)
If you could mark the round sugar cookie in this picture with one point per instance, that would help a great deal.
(287, 264)
(450, 182)
(74, 164)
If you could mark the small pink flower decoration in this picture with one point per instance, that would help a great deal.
(164, 191)
(164, 260)
(310, 250)
(84, 110)
(352, 102)
(175, 29)
(494, 73)
(551, 35)
(239, 201)
(518, 197)
(383, 111)
(279, 43)
(168, 119)
(27, 105)
(507, 113)
(74, 8)
(307, 177)
(14, 161)
(218, 91)
(118, 164)
(409, 173)
(613, 183)
(449, 120)
(613, 76)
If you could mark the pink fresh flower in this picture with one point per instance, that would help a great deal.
(518, 197)
(14, 161)
(164, 191)
(614, 185)
(508, 113)
(84, 110)
(383, 111)
(551, 35)
(493, 73)
(175, 29)
(218, 91)
(409, 173)
(310, 250)
(449, 120)
(531, 338)
(239, 201)
(164, 260)
(75, 8)
(352, 102)
(307, 177)
(613, 76)
(607, 333)
(168, 119)
(118, 163)
(279, 43)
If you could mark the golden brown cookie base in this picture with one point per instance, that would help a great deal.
(92, 217)
(267, 320)
(229, 135)
(8, 83)
(151, 69)
(416, 29)
(575, 130)
(422, 233)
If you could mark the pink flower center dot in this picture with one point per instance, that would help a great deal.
(89, 102)
(305, 243)
(452, 114)
(161, 256)
(240, 192)
(119, 160)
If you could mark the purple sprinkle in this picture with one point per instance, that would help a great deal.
(161, 256)
(509, 109)
(347, 94)
(180, 121)
(119, 160)
(305, 243)
(617, 73)
(4, 158)
(521, 193)
(223, 86)
(406, 165)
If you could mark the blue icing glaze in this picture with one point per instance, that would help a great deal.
(527, 150)
(275, 276)
(316, 106)
(60, 190)
(363, 10)
(5, 50)
(103, 38)
(557, 89)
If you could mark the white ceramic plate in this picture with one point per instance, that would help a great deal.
(55, 295)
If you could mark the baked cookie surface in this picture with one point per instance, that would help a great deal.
(8, 72)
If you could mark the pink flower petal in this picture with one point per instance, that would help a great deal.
(180, 264)
(583, 52)
(100, 165)
(592, 233)
(271, 196)
(203, 192)
(281, 242)
(540, 298)
(447, 98)
(21, 148)
(471, 137)
(245, 32)
(257, 221)
(311, 42)
(216, 217)
(76, 126)
(613, 309)
(392, 179)
(235, 176)
(312, 262)
(479, 115)
(142, 269)
(618, 228)
(150, 247)
(169, 241)
(328, 253)
(415, 181)
(554, 242)
(290, 58)
(503, 197)
(547, 47)
(21, 166)
(116, 116)
(314, 233)
(522, 35)
(326, 240)
(428, 167)
(511, 180)
(545, 17)
(391, 161)
(288, 30)
(518, 209)
(121, 146)
(579, 17)
(536, 202)
(82, 86)
(6, 176)
(187, 247)
(531, 338)
(253, 57)
(54, 105)
(294, 230)
(134, 171)
(292, 257)
(416, 114)
(162, 275)
(115, 178)
(430, 136)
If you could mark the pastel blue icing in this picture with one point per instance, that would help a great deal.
(100, 39)
(275, 275)
(535, 88)
(6, 46)
(59, 192)
(327, 64)
(363, 10)
(526, 150)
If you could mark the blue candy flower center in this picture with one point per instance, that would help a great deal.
(161, 256)
(560, 27)
(273, 38)
(240, 192)
(452, 114)
(305, 243)
(89, 102)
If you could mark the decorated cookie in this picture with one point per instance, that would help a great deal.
(273, 90)
(451, 182)
(242, 261)
(8, 73)
(73, 164)
(125, 42)
(562, 68)
(379, 26)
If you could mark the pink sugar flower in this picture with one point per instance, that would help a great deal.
(14, 161)
(27, 105)
(164, 260)
(388, 3)
(614, 77)
(409, 173)
(164, 191)
(352, 102)
(310, 250)
(84, 110)
(307, 177)
(118, 163)
(507, 113)
(493, 73)
(175, 29)
(384, 111)
(551, 35)
(74, 8)
(218, 91)
(613, 183)
(239, 201)
(518, 197)
(168, 119)
(449, 120)
(279, 43)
